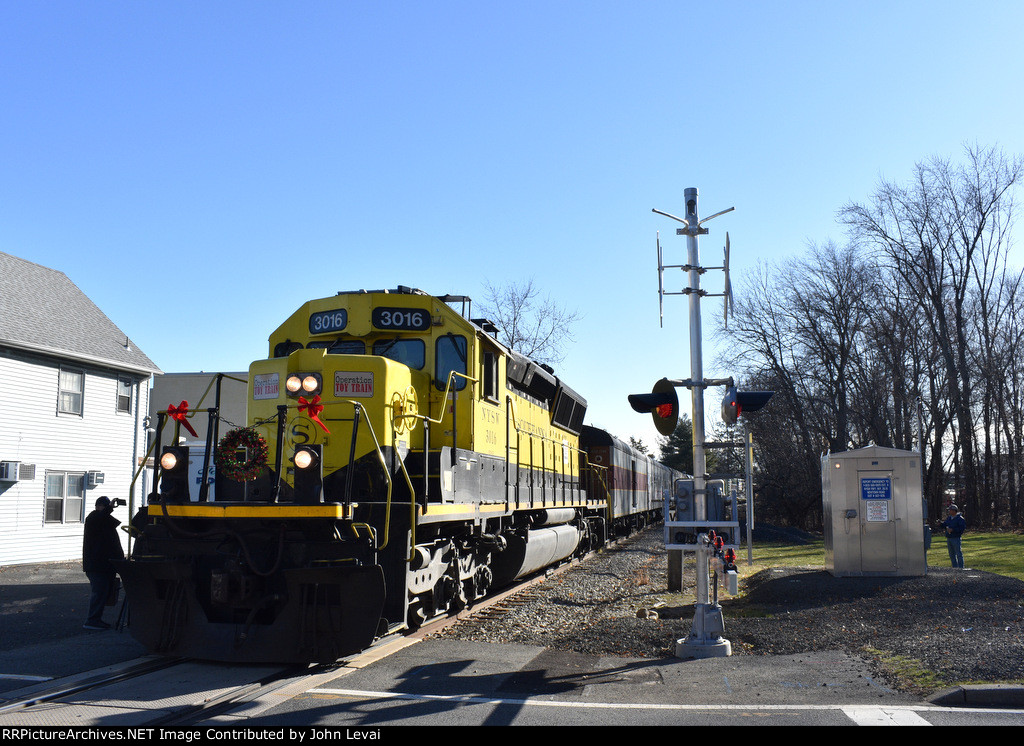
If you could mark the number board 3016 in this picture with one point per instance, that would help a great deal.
(405, 319)
(323, 322)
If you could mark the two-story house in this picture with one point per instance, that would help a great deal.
(74, 398)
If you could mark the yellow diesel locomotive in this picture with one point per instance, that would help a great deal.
(397, 464)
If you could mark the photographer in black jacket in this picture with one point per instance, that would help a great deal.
(100, 545)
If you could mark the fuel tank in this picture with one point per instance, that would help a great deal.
(529, 551)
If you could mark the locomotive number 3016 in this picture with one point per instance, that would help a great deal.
(328, 321)
(408, 319)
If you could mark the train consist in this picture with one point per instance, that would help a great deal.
(398, 464)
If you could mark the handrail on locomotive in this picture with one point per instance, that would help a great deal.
(399, 417)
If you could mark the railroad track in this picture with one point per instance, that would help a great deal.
(168, 692)
(149, 692)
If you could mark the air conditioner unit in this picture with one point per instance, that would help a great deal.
(9, 471)
(95, 479)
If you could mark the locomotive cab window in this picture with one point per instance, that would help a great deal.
(286, 348)
(411, 352)
(449, 356)
(489, 375)
(340, 346)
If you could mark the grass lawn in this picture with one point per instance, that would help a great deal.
(1001, 553)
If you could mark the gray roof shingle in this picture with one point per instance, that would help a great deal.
(41, 309)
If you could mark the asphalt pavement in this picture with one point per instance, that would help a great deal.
(447, 682)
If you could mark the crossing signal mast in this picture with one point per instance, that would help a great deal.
(705, 639)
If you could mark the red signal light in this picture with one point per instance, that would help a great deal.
(662, 404)
(735, 402)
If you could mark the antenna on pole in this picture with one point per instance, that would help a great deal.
(661, 284)
(728, 304)
(693, 231)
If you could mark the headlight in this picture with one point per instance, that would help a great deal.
(309, 475)
(169, 460)
(304, 458)
(303, 383)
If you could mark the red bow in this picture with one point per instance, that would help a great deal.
(179, 413)
(313, 407)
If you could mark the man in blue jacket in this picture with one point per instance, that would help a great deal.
(955, 526)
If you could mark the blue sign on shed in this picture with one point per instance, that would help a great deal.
(876, 489)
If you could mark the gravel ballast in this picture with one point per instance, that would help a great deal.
(965, 626)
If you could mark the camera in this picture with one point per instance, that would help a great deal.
(117, 501)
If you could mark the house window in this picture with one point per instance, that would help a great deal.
(124, 395)
(65, 497)
(69, 391)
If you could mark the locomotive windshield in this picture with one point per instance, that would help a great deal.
(411, 352)
(340, 346)
(408, 351)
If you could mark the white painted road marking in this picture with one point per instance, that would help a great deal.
(895, 715)
(883, 716)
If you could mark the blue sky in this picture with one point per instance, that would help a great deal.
(200, 169)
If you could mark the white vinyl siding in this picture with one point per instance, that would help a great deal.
(100, 439)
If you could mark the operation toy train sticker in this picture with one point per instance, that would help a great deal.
(266, 386)
(353, 384)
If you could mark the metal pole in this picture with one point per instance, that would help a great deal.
(696, 352)
(697, 390)
(705, 640)
(748, 484)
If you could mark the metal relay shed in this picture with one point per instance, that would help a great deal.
(873, 512)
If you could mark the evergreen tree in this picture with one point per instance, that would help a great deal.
(677, 449)
(639, 445)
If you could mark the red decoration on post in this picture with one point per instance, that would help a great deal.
(313, 408)
(180, 414)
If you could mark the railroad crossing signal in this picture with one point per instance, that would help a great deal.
(737, 403)
(662, 404)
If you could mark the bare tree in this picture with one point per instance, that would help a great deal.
(770, 353)
(529, 322)
(945, 236)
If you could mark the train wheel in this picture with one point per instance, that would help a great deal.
(417, 614)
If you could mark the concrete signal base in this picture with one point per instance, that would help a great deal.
(705, 641)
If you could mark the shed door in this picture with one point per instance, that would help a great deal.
(877, 522)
